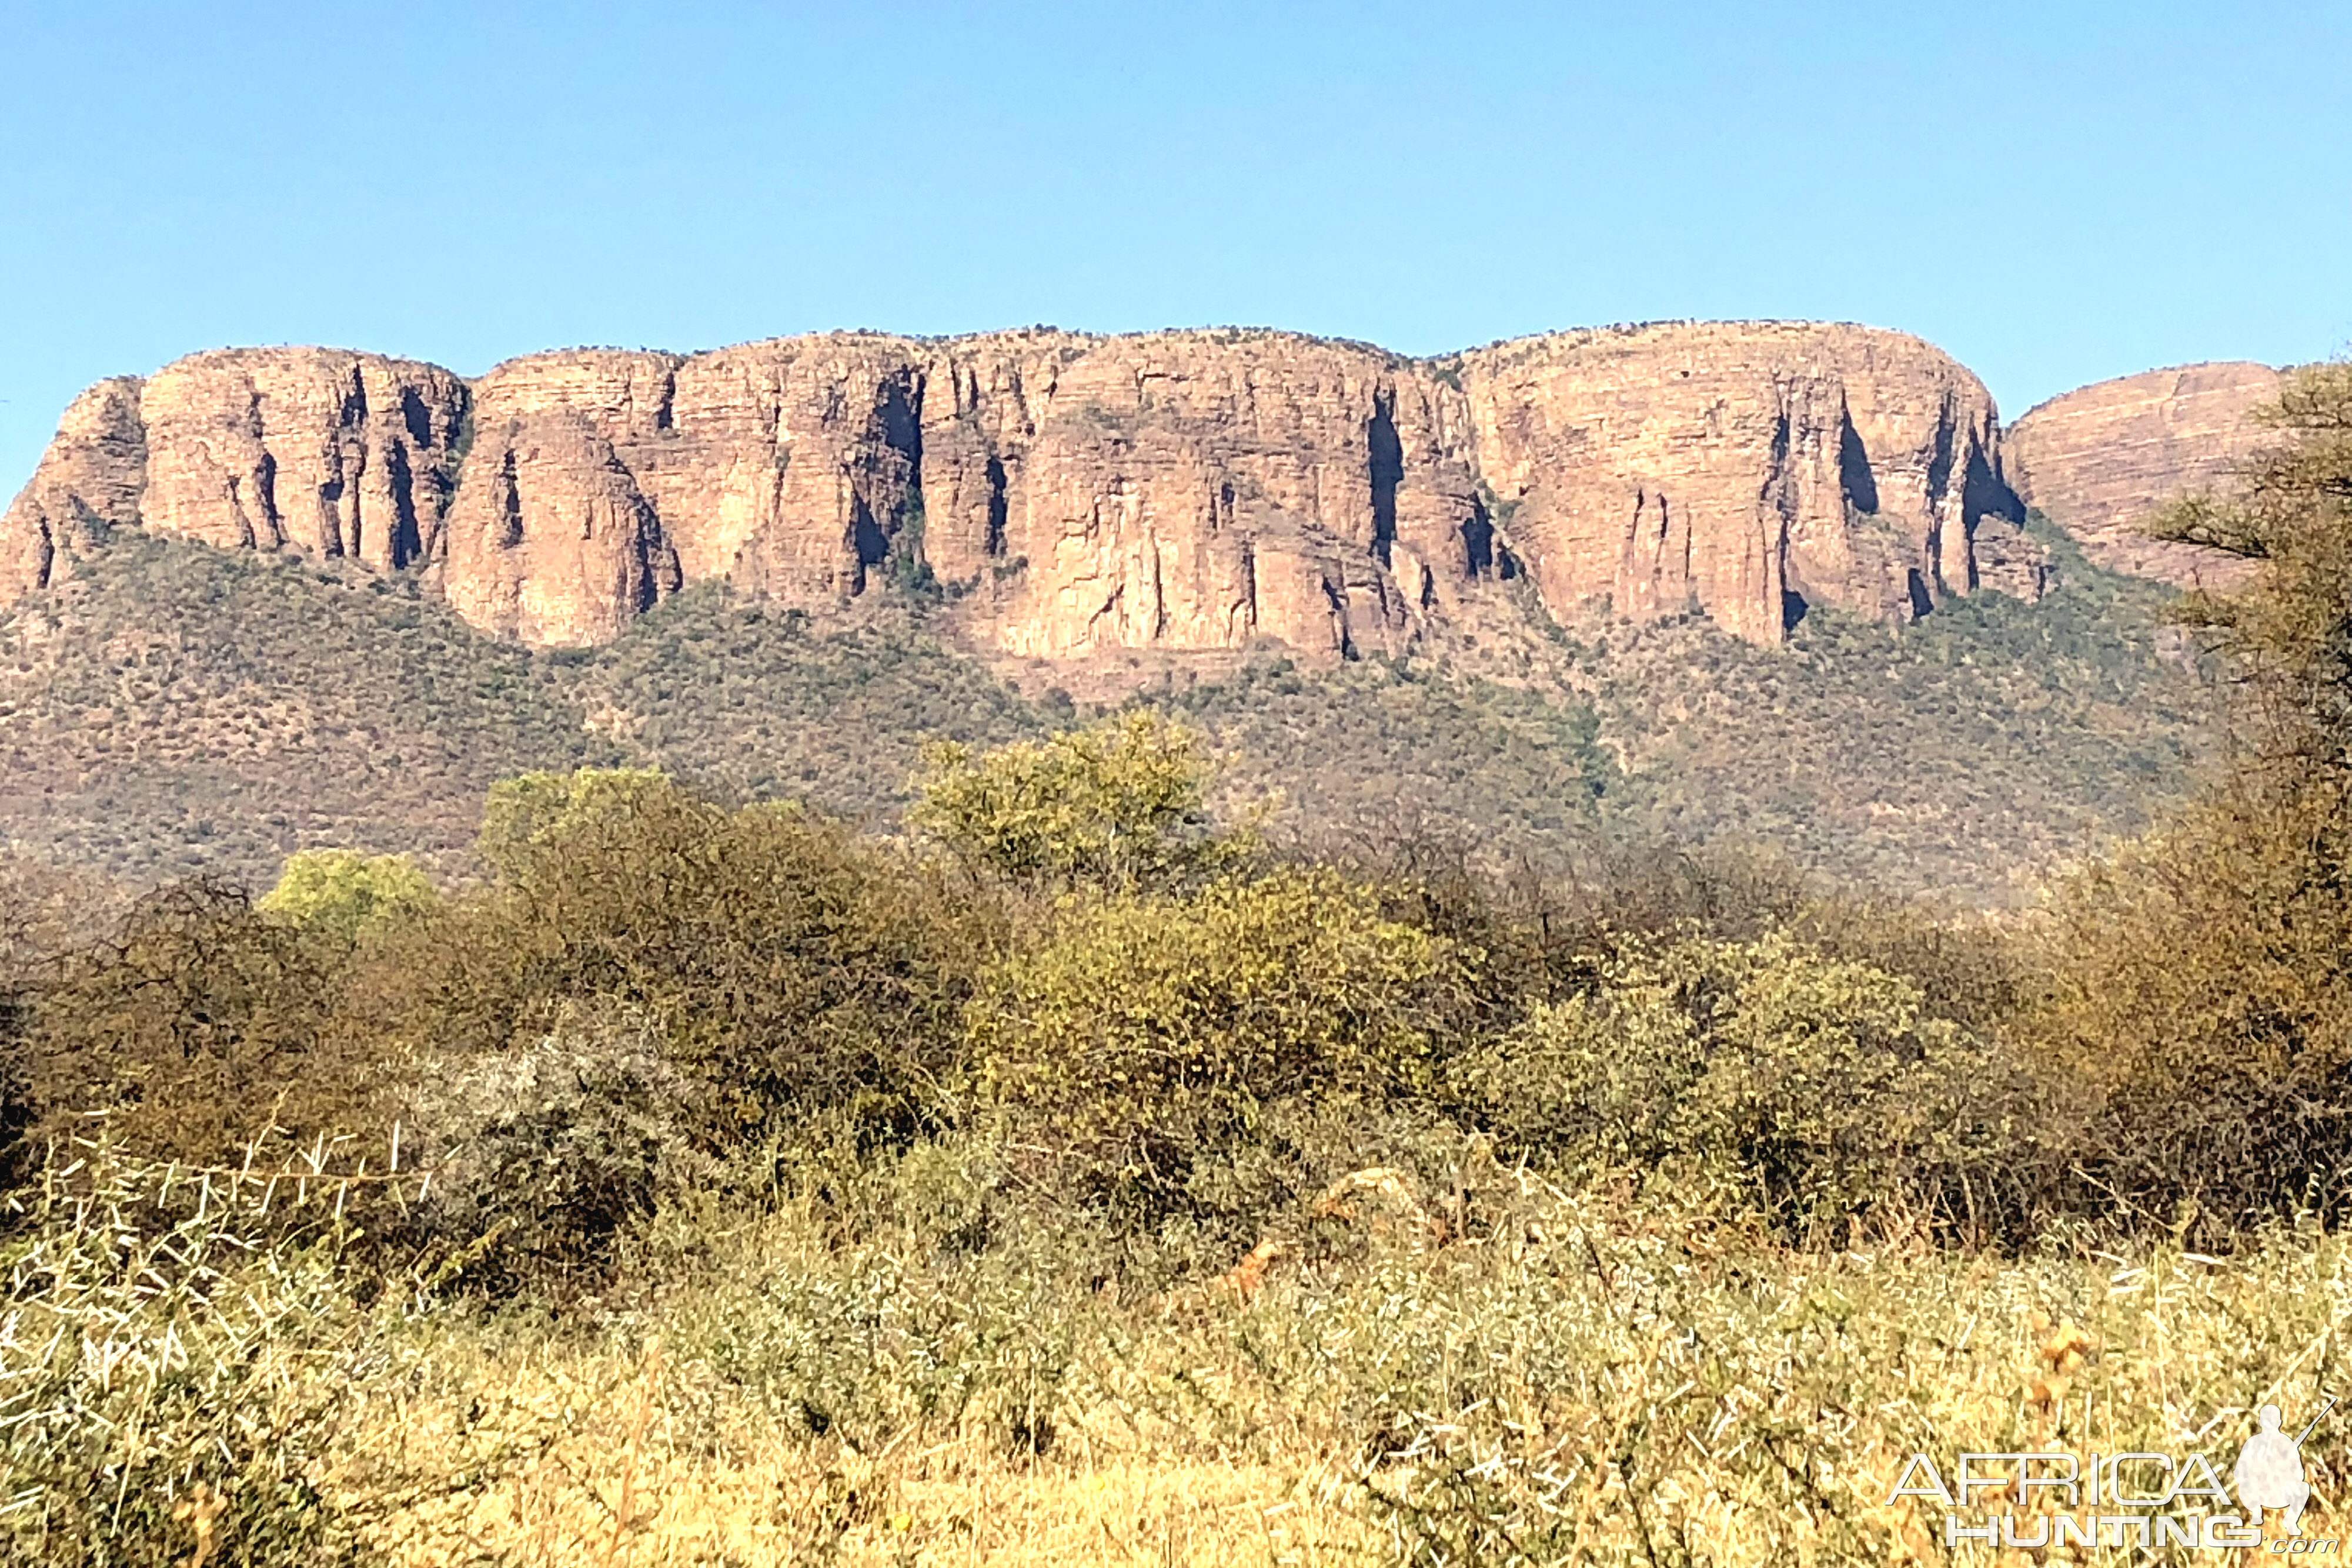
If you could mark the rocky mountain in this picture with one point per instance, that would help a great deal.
(1754, 468)
(1173, 491)
(1631, 583)
(2102, 460)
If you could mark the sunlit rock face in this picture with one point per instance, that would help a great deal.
(2102, 461)
(1187, 490)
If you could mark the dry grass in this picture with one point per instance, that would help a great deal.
(1582, 1379)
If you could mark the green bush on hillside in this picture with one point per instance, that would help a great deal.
(343, 894)
(1121, 803)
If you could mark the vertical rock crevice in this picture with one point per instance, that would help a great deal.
(1385, 465)
(992, 541)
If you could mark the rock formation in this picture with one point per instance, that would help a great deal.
(87, 484)
(2101, 461)
(322, 452)
(1176, 490)
(1752, 469)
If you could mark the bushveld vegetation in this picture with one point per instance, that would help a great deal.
(1084, 1173)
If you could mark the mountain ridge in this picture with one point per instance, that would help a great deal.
(1196, 490)
(1272, 543)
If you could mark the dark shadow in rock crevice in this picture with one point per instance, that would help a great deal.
(1387, 465)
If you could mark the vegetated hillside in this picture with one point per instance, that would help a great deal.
(188, 709)
(760, 703)
(1957, 755)
(1390, 750)
(756, 702)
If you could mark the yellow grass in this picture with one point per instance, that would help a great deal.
(1600, 1381)
(1837, 1368)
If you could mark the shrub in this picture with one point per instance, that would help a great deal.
(524, 817)
(789, 969)
(41, 911)
(1119, 804)
(2203, 996)
(177, 1360)
(1147, 1041)
(343, 896)
(18, 1109)
(1821, 1089)
(546, 1153)
(199, 1025)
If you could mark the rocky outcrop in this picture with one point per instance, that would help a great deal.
(1748, 469)
(1190, 490)
(552, 541)
(1196, 490)
(2102, 461)
(87, 484)
(1182, 490)
(316, 450)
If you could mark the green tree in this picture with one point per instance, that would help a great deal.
(345, 895)
(1119, 804)
(1148, 1037)
(524, 814)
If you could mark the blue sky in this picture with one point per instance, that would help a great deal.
(2054, 193)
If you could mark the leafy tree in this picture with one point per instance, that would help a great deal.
(1148, 1037)
(524, 814)
(1119, 804)
(2203, 977)
(345, 895)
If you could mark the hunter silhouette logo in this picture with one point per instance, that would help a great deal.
(2269, 1472)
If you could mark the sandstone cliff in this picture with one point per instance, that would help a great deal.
(314, 450)
(2101, 461)
(1753, 469)
(88, 482)
(1189, 490)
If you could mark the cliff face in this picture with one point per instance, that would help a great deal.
(2102, 461)
(1178, 490)
(315, 450)
(88, 483)
(1754, 469)
(1198, 490)
(1167, 491)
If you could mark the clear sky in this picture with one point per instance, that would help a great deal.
(2054, 193)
